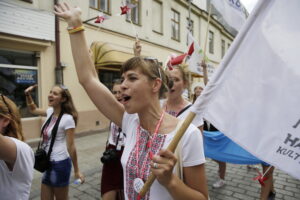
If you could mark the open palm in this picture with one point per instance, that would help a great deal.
(68, 13)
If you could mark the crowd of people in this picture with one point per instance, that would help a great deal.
(145, 107)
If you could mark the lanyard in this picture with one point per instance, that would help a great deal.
(148, 145)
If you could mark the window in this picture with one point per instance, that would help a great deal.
(175, 25)
(18, 70)
(29, 1)
(222, 48)
(134, 14)
(190, 26)
(157, 16)
(102, 5)
(211, 42)
(107, 77)
(228, 45)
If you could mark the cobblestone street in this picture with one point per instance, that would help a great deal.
(239, 183)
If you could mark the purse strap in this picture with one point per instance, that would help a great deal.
(43, 128)
(53, 133)
(184, 109)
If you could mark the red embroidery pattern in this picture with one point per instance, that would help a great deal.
(132, 168)
(172, 112)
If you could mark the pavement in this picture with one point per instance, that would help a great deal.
(239, 183)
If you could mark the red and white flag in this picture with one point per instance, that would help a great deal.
(195, 55)
(253, 97)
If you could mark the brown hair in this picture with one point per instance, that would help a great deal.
(68, 106)
(149, 67)
(9, 110)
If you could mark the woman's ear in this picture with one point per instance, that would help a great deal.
(6, 122)
(156, 85)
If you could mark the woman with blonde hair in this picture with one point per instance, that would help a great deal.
(55, 181)
(16, 157)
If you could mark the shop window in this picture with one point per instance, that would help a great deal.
(18, 70)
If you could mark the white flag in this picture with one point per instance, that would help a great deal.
(253, 97)
(195, 55)
(232, 11)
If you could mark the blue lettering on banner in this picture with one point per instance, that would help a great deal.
(236, 4)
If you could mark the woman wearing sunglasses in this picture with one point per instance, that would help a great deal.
(149, 129)
(16, 157)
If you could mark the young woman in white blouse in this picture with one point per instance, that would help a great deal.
(149, 129)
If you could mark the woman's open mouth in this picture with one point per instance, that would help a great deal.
(126, 98)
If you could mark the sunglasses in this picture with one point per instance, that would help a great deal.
(6, 104)
(154, 60)
(63, 87)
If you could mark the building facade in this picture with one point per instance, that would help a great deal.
(35, 48)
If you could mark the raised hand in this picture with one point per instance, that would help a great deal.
(137, 48)
(30, 89)
(72, 15)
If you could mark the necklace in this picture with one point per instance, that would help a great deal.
(138, 182)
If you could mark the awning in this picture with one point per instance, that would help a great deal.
(105, 55)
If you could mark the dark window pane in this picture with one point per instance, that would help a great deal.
(17, 58)
(107, 77)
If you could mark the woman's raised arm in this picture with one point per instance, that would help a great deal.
(86, 72)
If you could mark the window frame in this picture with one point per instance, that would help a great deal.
(211, 42)
(99, 6)
(178, 23)
(28, 1)
(223, 47)
(161, 24)
(130, 16)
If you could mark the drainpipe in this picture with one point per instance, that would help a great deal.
(59, 78)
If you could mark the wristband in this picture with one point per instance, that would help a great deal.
(72, 30)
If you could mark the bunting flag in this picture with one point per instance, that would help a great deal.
(231, 11)
(253, 97)
(101, 18)
(125, 9)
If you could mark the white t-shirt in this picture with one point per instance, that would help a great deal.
(16, 184)
(59, 150)
(192, 155)
(113, 135)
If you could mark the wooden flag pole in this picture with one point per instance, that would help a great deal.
(172, 146)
